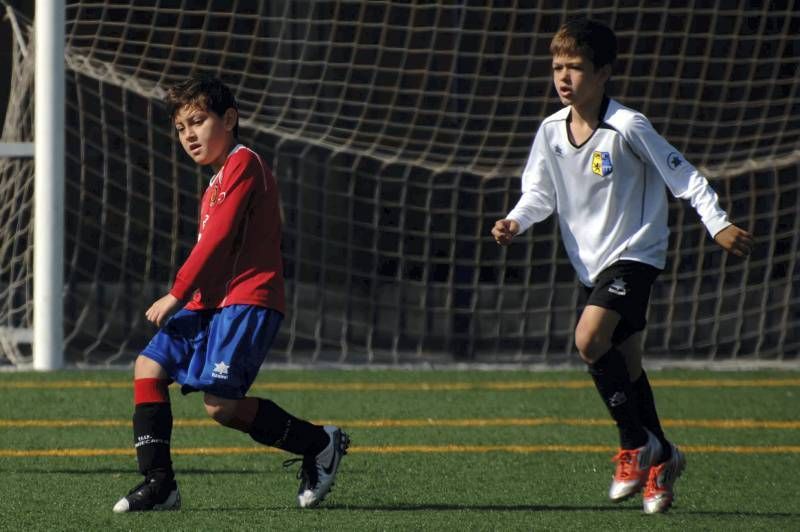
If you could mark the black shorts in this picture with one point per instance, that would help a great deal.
(624, 287)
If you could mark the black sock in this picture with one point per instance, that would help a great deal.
(646, 405)
(276, 427)
(611, 379)
(152, 430)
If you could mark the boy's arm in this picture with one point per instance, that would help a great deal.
(213, 252)
(538, 196)
(685, 182)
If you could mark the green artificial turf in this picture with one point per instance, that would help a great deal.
(407, 476)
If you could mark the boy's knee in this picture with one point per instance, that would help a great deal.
(591, 345)
(147, 368)
(220, 410)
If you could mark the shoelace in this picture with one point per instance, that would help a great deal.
(307, 471)
(139, 486)
(626, 465)
(653, 485)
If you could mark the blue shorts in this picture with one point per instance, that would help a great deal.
(218, 351)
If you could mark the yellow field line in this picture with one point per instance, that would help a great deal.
(411, 423)
(402, 449)
(426, 386)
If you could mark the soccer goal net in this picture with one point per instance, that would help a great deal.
(398, 132)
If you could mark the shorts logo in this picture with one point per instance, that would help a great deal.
(618, 287)
(601, 163)
(674, 160)
(220, 370)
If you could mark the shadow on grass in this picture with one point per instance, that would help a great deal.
(401, 507)
(133, 471)
(439, 508)
(548, 508)
(717, 513)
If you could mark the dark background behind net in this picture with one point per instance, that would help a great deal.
(397, 146)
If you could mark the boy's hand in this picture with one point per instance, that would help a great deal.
(735, 240)
(159, 311)
(504, 230)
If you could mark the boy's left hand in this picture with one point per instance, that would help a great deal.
(735, 240)
(159, 311)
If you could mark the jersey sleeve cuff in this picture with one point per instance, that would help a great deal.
(523, 223)
(717, 225)
(181, 290)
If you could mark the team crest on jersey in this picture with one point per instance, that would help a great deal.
(601, 163)
(217, 197)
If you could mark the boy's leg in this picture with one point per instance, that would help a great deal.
(232, 362)
(643, 393)
(322, 448)
(659, 488)
(152, 418)
(152, 431)
(608, 367)
(614, 315)
(267, 423)
(609, 371)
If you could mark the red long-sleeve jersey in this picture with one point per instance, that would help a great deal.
(237, 258)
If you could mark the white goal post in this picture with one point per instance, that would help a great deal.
(48, 235)
(47, 336)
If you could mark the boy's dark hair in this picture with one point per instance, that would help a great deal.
(204, 92)
(589, 38)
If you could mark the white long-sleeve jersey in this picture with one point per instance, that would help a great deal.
(609, 192)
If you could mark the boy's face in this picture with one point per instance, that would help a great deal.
(206, 136)
(577, 80)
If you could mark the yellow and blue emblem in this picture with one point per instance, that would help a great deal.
(601, 163)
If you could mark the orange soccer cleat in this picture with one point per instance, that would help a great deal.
(659, 492)
(633, 467)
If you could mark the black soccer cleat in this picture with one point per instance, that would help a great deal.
(150, 496)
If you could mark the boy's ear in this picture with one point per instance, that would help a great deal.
(605, 71)
(229, 118)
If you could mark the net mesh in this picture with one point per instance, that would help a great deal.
(398, 132)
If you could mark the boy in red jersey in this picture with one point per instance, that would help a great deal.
(217, 342)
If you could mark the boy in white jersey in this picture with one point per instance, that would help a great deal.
(602, 168)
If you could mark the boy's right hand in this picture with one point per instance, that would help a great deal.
(159, 311)
(504, 230)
